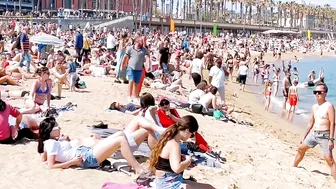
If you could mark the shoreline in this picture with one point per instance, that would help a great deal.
(288, 132)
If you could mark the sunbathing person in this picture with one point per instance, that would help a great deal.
(26, 122)
(40, 93)
(148, 108)
(58, 152)
(166, 156)
(14, 94)
(10, 134)
(59, 77)
(209, 102)
(129, 108)
(196, 94)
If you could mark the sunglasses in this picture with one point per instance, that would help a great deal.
(164, 103)
(318, 92)
(192, 135)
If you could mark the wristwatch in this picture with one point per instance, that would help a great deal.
(331, 139)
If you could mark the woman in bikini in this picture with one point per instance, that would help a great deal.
(40, 92)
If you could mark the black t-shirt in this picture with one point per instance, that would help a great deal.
(164, 51)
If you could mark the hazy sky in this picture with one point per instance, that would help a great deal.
(332, 3)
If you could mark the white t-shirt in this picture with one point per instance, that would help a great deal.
(243, 69)
(197, 66)
(110, 42)
(218, 76)
(61, 149)
(195, 96)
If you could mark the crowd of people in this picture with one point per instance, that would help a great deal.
(147, 59)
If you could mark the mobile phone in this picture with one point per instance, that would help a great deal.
(199, 160)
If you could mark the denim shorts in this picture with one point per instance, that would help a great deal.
(169, 181)
(165, 68)
(318, 138)
(134, 75)
(12, 121)
(89, 161)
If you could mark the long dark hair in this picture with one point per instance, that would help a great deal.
(46, 126)
(3, 105)
(146, 100)
(186, 122)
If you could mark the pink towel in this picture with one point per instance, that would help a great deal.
(111, 185)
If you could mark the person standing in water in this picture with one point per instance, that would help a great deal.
(293, 99)
(286, 84)
(321, 129)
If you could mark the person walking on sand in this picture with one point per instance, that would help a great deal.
(293, 96)
(321, 129)
(134, 59)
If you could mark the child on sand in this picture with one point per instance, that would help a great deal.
(267, 94)
(72, 68)
(293, 98)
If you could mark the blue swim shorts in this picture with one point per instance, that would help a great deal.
(89, 161)
(134, 75)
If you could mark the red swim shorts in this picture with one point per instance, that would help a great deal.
(292, 100)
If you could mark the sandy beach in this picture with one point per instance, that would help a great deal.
(257, 157)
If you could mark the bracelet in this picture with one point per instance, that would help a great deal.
(331, 139)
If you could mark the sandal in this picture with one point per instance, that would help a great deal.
(191, 178)
(117, 81)
(101, 125)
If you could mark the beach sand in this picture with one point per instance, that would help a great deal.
(257, 157)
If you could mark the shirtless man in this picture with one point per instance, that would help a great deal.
(320, 130)
(286, 84)
(293, 99)
(209, 100)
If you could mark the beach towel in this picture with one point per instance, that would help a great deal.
(167, 121)
(143, 75)
(112, 185)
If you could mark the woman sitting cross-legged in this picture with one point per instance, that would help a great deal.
(166, 156)
(58, 152)
(40, 93)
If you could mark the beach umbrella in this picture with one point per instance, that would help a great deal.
(46, 39)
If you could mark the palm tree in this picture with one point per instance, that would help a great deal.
(20, 2)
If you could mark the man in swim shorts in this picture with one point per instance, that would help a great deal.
(134, 60)
(321, 129)
(293, 98)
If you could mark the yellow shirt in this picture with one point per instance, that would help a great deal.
(86, 44)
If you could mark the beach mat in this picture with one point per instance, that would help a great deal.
(112, 185)
(143, 149)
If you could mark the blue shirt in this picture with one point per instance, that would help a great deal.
(129, 107)
(73, 67)
(40, 47)
(79, 41)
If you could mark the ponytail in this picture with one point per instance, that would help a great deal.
(169, 134)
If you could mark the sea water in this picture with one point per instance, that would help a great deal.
(306, 96)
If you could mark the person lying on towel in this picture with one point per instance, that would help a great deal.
(129, 108)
